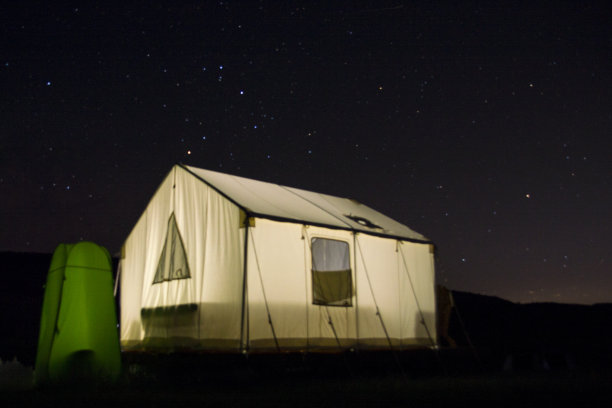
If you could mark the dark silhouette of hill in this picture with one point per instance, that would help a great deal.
(21, 295)
(574, 335)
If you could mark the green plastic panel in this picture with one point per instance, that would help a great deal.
(78, 333)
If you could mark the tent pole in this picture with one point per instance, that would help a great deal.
(356, 291)
(117, 277)
(306, 276)
(244, 344)
(263, 292)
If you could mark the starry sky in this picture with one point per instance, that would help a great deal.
(486, 126)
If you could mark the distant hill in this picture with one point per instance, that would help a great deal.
(497, 326)
(21, 295)
(493, 321)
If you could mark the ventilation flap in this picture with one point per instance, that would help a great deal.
(173, 260)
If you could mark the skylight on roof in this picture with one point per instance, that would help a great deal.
(363, 221)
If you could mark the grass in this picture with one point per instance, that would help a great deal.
(246, 387)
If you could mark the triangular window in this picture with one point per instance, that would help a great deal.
(173, 260)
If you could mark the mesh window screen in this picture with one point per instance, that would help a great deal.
(173, 260)
(331, 273)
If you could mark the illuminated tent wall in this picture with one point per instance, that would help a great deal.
(220, 262)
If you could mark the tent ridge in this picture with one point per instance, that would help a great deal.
(242, 207)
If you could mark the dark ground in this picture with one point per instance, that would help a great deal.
(507, 354)
(312, 392)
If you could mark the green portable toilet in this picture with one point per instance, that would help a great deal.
(78, 337)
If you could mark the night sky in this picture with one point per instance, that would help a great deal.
(485, 126)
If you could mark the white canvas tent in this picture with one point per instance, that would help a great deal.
(220, 262)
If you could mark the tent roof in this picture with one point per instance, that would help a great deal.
(273, 201)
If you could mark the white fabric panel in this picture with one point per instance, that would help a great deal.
(158, 213)
(343, 318)
(142, 249)
(378, 282)
(210, 225)
(276, 268)
(419, 284)
(296, 204)
(132, 268)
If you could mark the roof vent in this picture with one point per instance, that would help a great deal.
(363, 221)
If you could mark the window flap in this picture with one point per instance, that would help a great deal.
(331, 272)
(173, 260)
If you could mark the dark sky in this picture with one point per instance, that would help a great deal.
(486, 126)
